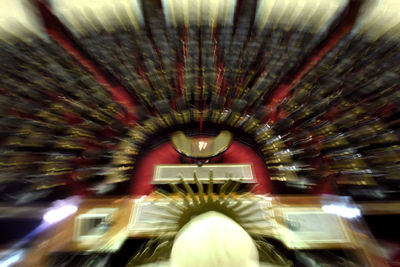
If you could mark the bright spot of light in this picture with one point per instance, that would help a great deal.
(264, 197)
(342, 211)
(10, 260)
(140, 199)
(202, 145)
(57, 214)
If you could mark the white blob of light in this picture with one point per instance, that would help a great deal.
(202, 145)
(341, 210)
(59, 213)
(140, 199)
(264, 197)
(11, 259)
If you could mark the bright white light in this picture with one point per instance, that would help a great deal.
(11, 259)
(140, 199)
(202, 145)
(264, 197)
(57, 214)
(342, 211)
